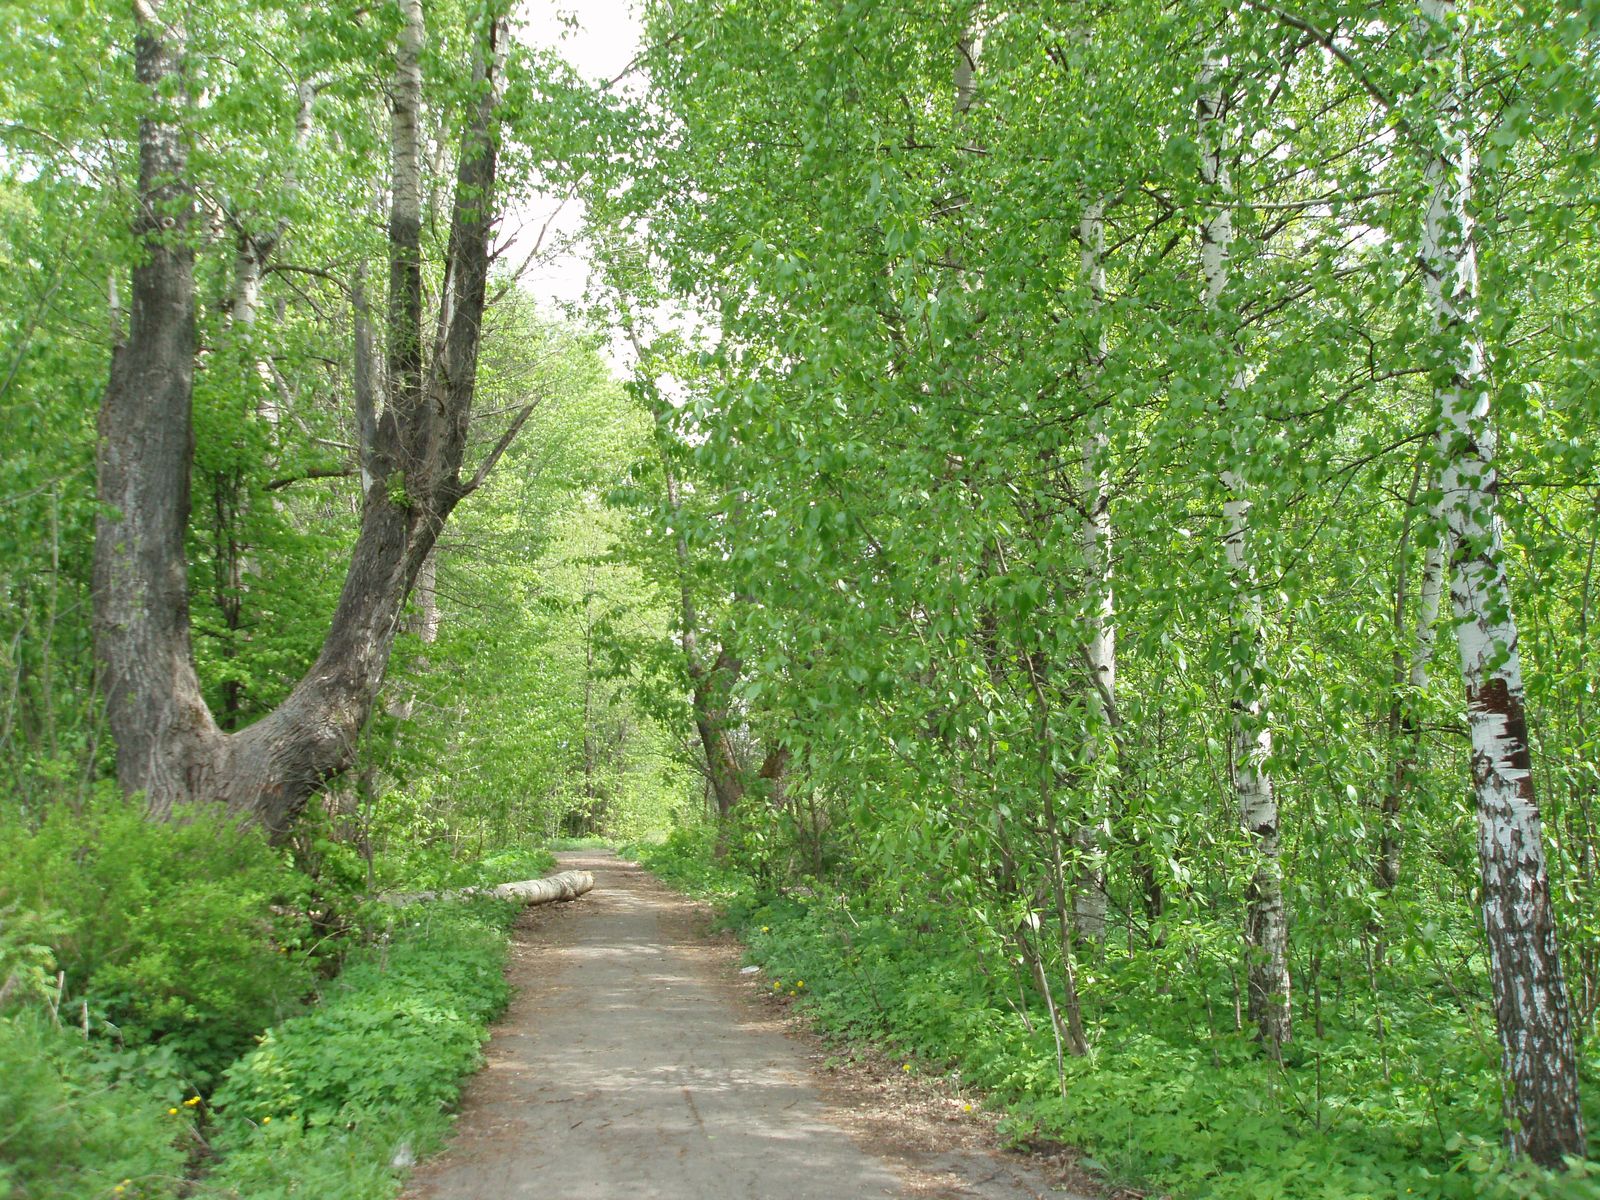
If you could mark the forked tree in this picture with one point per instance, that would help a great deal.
(413, 415)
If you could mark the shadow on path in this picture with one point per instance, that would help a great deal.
(627, 1068)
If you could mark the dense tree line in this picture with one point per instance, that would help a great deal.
(1109, 490)
(279, 235)
(1144, 456)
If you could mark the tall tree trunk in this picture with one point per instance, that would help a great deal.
(1091, 836)
(1538, 1061)
(169, 746)
(146, 442)
(1266, 922)
(710, 684)
(1410, 679)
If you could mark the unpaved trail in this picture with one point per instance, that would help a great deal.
(635, 1064)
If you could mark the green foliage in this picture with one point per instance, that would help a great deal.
(79, 1121)
(329, 1100)
(525, 721)
(170, 934)
(1161, 1101)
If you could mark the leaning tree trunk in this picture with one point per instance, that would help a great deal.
(169, 746)
(1266, 921)
(1543, 1117)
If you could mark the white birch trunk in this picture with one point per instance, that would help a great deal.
(1538, 1062)
(1425, 634)
(1092, 836)
(251, 255)
(1266, 922)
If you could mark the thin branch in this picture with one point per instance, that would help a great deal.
(506, 439)
(343, 472)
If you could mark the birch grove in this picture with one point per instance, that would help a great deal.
(1171, 273)
(1031, 470)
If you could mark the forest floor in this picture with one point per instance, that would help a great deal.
(637, 1062)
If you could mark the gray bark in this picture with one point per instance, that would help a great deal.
(169, 746)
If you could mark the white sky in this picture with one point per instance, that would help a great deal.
(602, 42)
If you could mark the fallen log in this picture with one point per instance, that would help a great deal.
(566, 885)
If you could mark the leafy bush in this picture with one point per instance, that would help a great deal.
(78, 1120)
(167, 933)
(330, 1102)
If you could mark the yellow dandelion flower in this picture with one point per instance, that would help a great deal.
(766, 929)
(905, 1066)
(172, 1112)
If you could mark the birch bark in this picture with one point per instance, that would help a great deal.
(1100, 648)
(1538, 1059)
(1266, 922)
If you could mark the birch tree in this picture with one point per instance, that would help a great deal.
(1538, 1059)
(1266, 921)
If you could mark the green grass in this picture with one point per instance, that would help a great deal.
(579, 843)
(1158, 1103)
(334, 1104)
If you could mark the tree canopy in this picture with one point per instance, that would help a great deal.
(1109, 492)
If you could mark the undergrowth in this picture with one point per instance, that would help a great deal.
(1157, 1103)
(185, 1011)
(336, 1103)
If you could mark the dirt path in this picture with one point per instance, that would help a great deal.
(635, 1063)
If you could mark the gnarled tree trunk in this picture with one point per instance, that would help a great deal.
(169, 746)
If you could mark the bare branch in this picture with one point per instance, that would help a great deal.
(506, 439)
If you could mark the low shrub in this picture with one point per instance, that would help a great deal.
(79, 1119)
(170, 935)
(336, 1102)
(1157, 1103)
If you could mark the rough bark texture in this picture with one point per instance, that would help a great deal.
(169, 746)
(1266, 921)
(146, 442)
(1543, 1117)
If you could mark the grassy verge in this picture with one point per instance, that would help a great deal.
(1199, 1115)
(140, 964)
(335, 1104)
